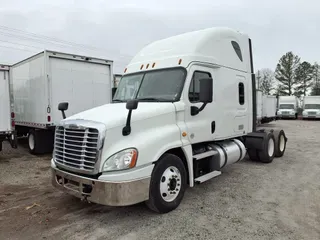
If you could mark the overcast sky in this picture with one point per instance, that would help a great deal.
(118, 29)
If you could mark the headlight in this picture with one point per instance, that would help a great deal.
(121, 160)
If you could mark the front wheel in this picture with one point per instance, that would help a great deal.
(168, 184)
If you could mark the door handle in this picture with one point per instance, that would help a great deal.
(213, 126)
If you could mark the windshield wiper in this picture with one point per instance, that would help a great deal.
(153, 99)
(117, 100)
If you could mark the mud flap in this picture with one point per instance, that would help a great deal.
(13, 140)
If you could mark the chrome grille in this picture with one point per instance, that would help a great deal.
(312, 113)
(285, 112)
(76, 147)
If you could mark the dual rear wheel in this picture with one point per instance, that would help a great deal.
(273, 145)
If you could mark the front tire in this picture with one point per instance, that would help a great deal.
(168, 184)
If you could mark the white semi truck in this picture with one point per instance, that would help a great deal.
(48, 78)
(288, 107)
(311, 107)
(184, 109)
(7, 124)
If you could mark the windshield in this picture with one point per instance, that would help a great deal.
(160, 85)
(312, 106)
(286, 106)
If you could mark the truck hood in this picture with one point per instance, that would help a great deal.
(115, 114)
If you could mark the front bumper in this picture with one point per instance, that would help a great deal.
(122, 193)
(311, 116)
(286, 115)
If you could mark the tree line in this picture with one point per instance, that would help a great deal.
(291, 77)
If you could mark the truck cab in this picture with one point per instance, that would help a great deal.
(288, 107)
(311, 107)
(184, 109)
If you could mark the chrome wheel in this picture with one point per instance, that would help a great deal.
(31, 141)
(271, 147)
(170, 184)
(282, 143)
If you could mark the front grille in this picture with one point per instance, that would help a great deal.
(285, 113)
(312, 113)
(76, 148)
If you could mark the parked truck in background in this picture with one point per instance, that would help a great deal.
(311, 107)
(47, 78)
(184, 109)
(259, 106)
(269, 108)
(7, 124)
(288, 107)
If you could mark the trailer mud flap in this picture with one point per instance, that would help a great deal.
(13, 140)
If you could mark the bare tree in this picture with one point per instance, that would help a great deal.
(266, 80)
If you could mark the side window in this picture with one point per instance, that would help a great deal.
(237, 49)
(241, 93)
(194, 89)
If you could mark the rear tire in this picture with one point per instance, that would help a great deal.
(33, 141)
(266, 155)
(280, 142)
(40, 141)
(168, 184)
(253, 155)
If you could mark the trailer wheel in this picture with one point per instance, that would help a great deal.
(266, 155)
(32, 141)
(280, 142)
(168, 184)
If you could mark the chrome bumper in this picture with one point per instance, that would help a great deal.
(105, 193)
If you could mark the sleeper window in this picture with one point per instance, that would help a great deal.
(194, 89)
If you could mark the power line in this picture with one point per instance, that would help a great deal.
(53, 40)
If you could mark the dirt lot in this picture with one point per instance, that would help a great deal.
(249, 200)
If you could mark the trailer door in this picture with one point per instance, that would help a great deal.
(82, 84)
(4, 101)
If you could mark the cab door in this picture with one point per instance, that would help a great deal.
(202, 126)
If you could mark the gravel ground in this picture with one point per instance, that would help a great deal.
(249, 200)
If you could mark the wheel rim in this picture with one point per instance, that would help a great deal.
(271, 147)
(170, 184)
(282, 143)
(31, 141)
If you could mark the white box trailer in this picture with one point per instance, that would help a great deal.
(48, 78)
(288, 107)
(7, 124)
(311, 107)
(259, 106)
(269, 108)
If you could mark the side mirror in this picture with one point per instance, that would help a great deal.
(206, 85)
(63, 107)
(132, 104)
(205, 95)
